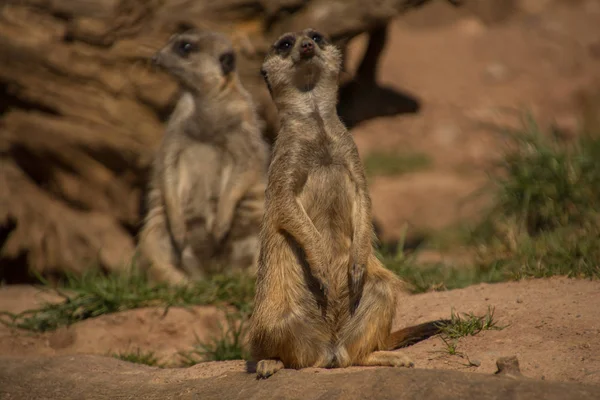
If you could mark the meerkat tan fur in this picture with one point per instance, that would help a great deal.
(206, 191)
(323, 299)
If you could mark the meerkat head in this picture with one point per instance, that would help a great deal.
(201, 61)
(301, 62)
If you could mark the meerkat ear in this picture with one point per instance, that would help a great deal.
(227, 61)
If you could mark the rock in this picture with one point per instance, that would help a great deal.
(508, 366)
(96, 377)
(475, 363)
(81, 113)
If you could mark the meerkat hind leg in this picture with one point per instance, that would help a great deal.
(266, 368)
(387, 359)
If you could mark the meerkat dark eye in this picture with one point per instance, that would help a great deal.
(285, 44)
(316, 37)
(184, 48)
(227, 61)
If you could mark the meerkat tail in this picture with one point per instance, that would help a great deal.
(413, 334)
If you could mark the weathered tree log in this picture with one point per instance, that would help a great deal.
(81, 112)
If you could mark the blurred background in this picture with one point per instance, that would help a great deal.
(477, 122)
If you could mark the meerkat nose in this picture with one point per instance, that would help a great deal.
(307, 48)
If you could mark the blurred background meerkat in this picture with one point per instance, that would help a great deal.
(205, 196)
(323, 299)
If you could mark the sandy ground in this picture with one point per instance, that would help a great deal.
(551, 325)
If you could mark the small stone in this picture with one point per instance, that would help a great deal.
(475, 363)
(508, 366)
(519, 300)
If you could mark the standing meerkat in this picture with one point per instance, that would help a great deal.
(323, 299)
(206, 191)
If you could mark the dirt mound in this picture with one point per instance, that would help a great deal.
(551, 325)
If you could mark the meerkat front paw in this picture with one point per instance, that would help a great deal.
(401, 360)
(388, 359)
(266, 368)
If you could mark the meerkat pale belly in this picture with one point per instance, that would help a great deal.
(330, 188)
(326, 188)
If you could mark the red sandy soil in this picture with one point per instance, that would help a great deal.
(551, 325)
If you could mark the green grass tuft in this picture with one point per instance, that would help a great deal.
(424, 277)
(546, 184)
(139, 357)
(393, 164)
(95, 294)
(451, 346)
(545, 220)
(469, 324)
(228, 345)
(573, 252)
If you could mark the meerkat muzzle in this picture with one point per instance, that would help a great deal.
(307, 48)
